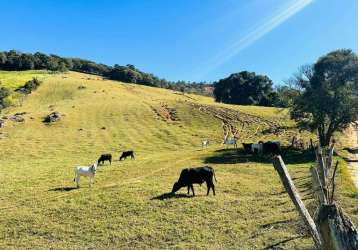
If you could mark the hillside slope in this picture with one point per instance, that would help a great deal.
(127, 208)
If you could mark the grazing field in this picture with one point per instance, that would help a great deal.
(129, 206)
(15, 79)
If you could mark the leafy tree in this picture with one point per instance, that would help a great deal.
(244, 88)
(328, 94)
(283, 96)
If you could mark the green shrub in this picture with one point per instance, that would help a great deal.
(30, 86)
(4, 93)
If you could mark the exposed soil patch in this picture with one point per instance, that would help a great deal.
(18, 117)
(165, 112)
(235, 120)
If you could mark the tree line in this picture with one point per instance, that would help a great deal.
(16, 61)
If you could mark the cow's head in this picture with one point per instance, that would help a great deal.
(94, 168)
(176, 187)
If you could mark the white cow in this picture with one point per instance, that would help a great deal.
(257, 148)
(205, 143)
(89, 171)
(230, 141)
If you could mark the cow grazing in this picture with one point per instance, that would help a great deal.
(190, 176)
(126, 154)
(247, 147)
(103, 158)
(230, 141)
(205, 143)
(89, 171)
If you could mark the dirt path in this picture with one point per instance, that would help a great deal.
(353, 156)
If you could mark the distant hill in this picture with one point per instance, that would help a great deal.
(18, 61)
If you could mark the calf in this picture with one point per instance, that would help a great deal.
(85, 171)
(125, 154)
(103, 158)
(205, 143)
(190, 176)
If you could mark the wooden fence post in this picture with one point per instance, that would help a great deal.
(317, 186)
(295, 197)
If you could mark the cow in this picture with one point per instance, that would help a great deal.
(205, 143)
(103, 158)
(230, 141)
(257, 148)
(190, 176)
(89, 171)
(247, 147)
(271, 147)
(125, 154)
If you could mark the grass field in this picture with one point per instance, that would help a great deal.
(15, 79)
(128, 206)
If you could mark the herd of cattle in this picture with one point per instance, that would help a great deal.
(90, 171)
(188, 176)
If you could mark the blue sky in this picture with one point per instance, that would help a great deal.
(193, 40)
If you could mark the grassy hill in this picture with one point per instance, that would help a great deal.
(127, 206)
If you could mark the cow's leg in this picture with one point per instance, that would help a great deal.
(78, 181)
(213, 187)
(188, 190)
(90, 181)
(208, 186)
(192, 189)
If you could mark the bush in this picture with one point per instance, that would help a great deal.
(30, 86)
(4, 93)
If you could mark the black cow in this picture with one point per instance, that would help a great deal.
(247, 147)
(190, 176)
(271, 148)
(125, 154)
(105, 157)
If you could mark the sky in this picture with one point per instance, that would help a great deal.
(191, 40)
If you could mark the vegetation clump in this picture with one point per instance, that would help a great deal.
(29, 86)
(53, 117)
(4, 93)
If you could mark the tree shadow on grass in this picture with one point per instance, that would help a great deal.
(234, 156)
(170, 196)
(276, 245)
(62, 189)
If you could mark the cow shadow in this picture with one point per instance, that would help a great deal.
(166, 196)
(62, 189)
(234, 156)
